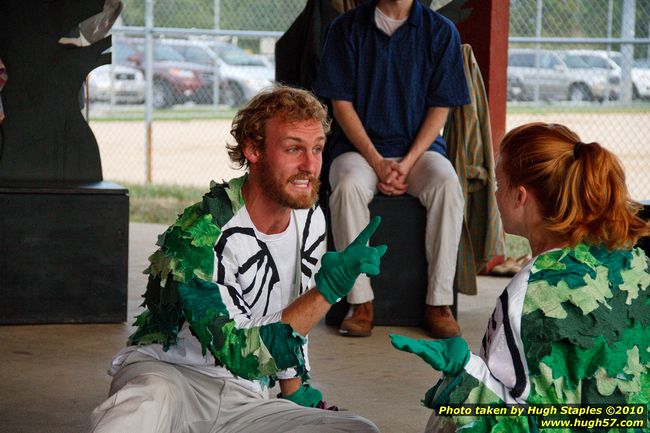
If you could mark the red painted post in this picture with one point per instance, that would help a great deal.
(486, 30)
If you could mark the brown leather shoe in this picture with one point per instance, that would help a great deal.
(440, 322)
(359, 324)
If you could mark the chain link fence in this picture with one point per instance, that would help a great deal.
(161, 111)
(586, 64)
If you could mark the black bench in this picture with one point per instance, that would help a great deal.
(64, 255)
(400, 290)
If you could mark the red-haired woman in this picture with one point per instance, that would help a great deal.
(573, 326)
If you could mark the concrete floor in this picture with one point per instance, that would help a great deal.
(52, 376)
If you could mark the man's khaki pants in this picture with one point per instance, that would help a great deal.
(434, 182)
(150, 396)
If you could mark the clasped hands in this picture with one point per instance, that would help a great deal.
(392, 176)
(339, 270)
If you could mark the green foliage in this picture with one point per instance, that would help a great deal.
(133, 12)
(577, 18)
(160, 204)
(260, 15)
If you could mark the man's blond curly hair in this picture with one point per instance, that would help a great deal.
(286, 103)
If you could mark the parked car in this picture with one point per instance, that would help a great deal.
(599, 77)
(557, 78)
(515, 88)
(127, 87)
(241, 75)
(542, 68)
(640, 74)
(175, 81)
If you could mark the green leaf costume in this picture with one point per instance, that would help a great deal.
(573, 327)
(214, 277)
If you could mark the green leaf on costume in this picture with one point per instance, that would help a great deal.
(475, 393)
(460, 394)
(283, 343)
(573, 363)
(549, 298)
(244, 352)
(217, 203)
(161, 238)
(233, 354)
(188, 260)
(550, 260)
(199, 226)
(542, 296)
(201, 296)
(483, 395)
(583, 255)
(266, 364)
(607, 385)
(201, 325)
(204, 232)
(635, 279)
(155, 327)
(169, 292)
(234, 192)
(616, 366)
(189, 216)
(642, 396)
(159, 263)
(640, 312)
(548, 390)
(575, 263)
(510, 424)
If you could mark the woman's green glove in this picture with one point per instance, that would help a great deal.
(339, 271)
(306, 396)
(449, 355)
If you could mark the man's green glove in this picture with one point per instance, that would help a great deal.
(449, 355)
(306, 396)
(339, 271)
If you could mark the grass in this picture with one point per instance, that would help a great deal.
(133, 114)
(207, 112)
(161, 204)
(635, 107)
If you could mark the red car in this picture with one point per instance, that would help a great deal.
(175, 80)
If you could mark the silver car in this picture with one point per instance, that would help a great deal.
(127, 86)
(640, 74)
(552, 76)
(597, 77)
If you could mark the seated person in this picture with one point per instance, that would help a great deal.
(231, 296)
(572, 327)
(392, 69)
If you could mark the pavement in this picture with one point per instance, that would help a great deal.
(52, 376)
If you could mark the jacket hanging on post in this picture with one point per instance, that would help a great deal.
(469, 148)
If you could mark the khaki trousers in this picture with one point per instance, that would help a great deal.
(434, 182)
(150, 396)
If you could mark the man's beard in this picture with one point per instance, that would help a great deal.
(276, 188)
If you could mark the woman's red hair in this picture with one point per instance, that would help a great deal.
(580, 186)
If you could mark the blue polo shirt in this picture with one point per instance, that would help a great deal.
(392, 80)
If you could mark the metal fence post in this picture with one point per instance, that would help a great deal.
(538, 34)
(148, 107)
(627, 50)
(217, 77)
